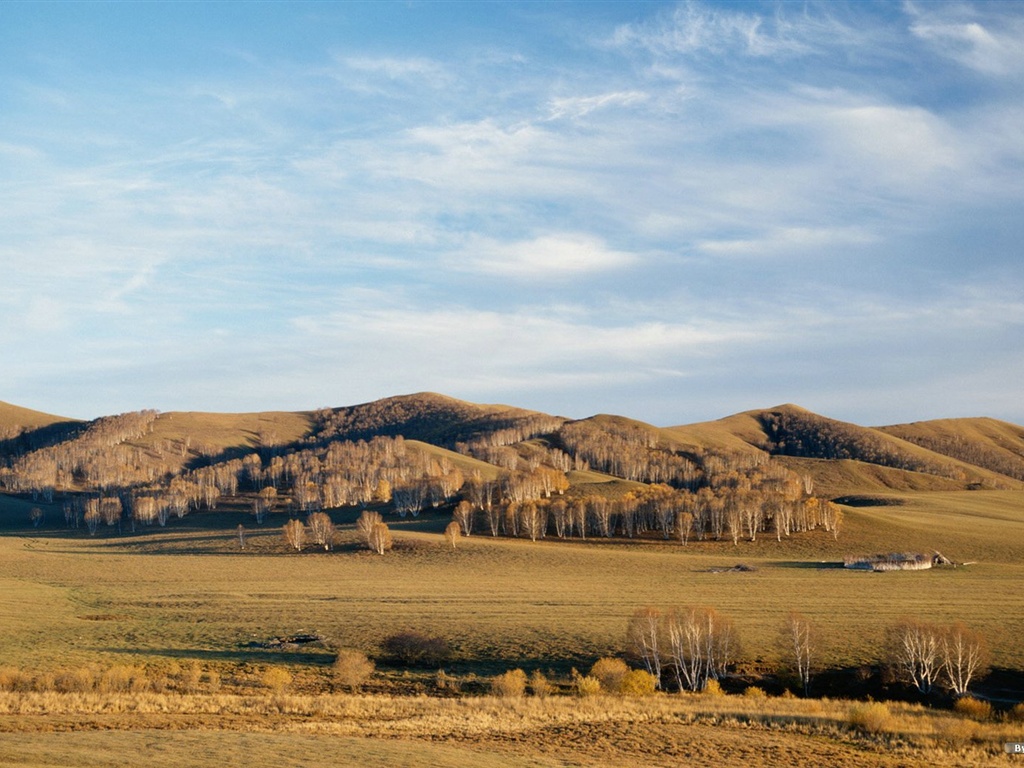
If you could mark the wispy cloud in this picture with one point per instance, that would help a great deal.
(548, 257)
(984, 38)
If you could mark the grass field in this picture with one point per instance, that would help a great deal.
(165, 599)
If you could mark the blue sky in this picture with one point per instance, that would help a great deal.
(670, 211)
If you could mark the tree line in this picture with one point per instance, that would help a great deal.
(687, 647)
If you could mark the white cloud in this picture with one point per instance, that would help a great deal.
(549, 257)
(991, 46)
(576, 107)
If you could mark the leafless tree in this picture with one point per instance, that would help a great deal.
(915, 649)
(452, 533)
(367, 521)
(644, 634)
(380, 538)
(798, 639)
(701, 644)
(295, 534)
(464, 517)
(321, 529)
(963, 656)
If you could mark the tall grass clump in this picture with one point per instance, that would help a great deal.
(637, 682)
(974, 708)
(352, 668)
(585, 685)
(871, 717)
(610, 672)
(509, 685)
(539, 685)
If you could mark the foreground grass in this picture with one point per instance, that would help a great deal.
(380, 730)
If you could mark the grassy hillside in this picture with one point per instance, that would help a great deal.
(994, 445)
(14, 417)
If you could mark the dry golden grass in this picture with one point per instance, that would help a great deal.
(597, 731)
(186, 592)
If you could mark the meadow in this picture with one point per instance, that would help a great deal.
(185, 599)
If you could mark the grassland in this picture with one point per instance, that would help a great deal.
(154, 642)
(165, 600)
(186, 591)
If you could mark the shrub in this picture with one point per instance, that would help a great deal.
(76, 681)
(610, 673)
(445, 682)
(120, 678)
(753, 692)
(585, 685)
(637, 682)
(352, 668)
(13, 679)
(872, 717)
(968, 706)
(413, 649)
(510, 685)
(190, 678)
(1016, 714)
(712, 688)
(539, 685)
(276, 679)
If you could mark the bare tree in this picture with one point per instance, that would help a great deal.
(241, 536)
(295, 534)
(452, 533)
(644, 633)
(464, 517)
(915, 650)
(701, 644)
(798, 638)
(367, 521)
(264, 502)
(963, 656)
(321, 529)
(380, 538)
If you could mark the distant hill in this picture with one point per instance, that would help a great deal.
(12, 416)
(421, 438)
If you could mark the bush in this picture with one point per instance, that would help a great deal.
(712, 688)
(585, 686)
(445, 682)
(753, 692)
(971, 707)
(610, 673)
(351, 668)
(412, 649)
(13, 679)
(539, 685)
(637, 682)
(510, 685)
(276, 679)
(872, 717)
(76, 681)
(1016, 714)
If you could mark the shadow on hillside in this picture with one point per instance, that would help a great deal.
(815, 565)
(242, 655)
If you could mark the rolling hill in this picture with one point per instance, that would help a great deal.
(418, 439)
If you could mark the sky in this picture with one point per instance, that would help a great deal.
(668, 211)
